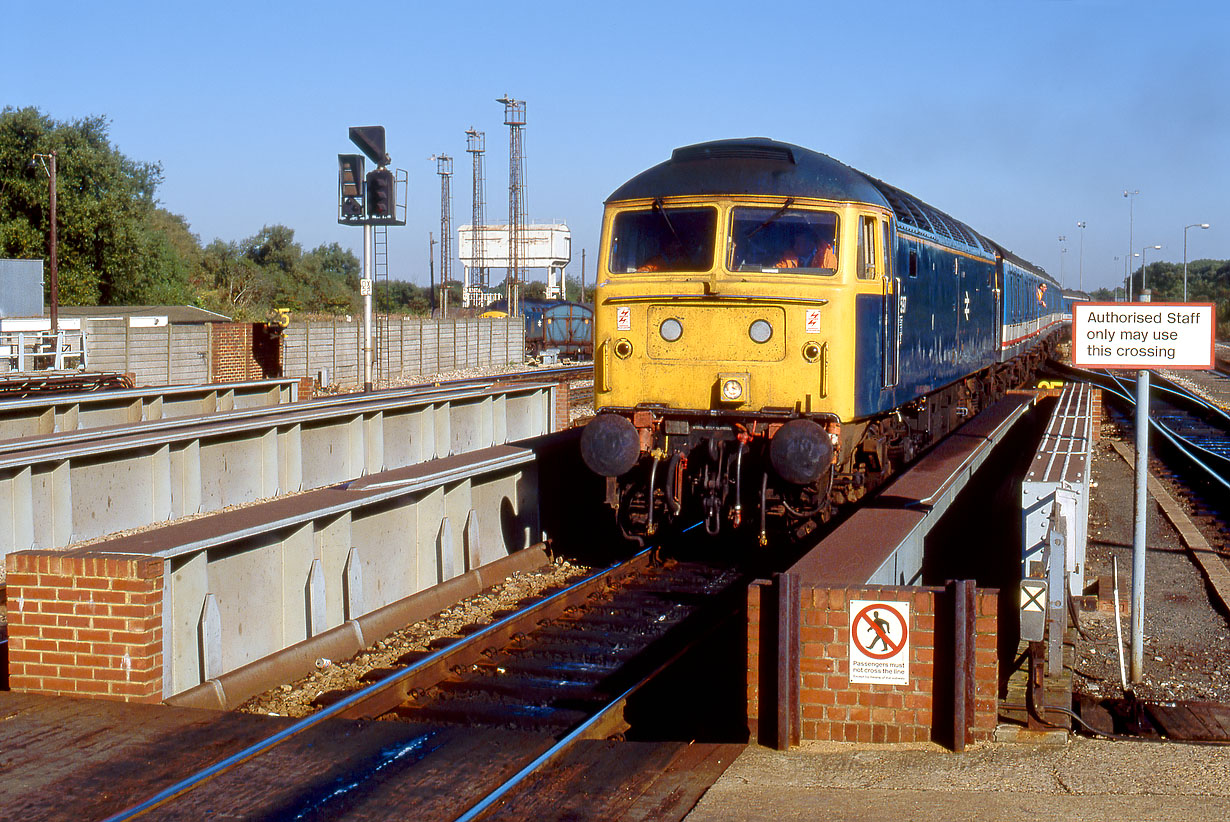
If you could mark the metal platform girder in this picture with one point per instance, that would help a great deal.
(38, 416)
(906, 510)
(75, 486)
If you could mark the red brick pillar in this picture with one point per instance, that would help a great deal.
(85, 624)
(833, 707)
(563, 407)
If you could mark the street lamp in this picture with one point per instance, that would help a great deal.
(1128, 278)
(1144, 269)
(49, 166)
(1062, 251)
(1131, 195)
(1185, 228)
(1081, 281)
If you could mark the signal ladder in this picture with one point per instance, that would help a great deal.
(380, 272)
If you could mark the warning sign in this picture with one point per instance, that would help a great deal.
(623, 319)
(880, 642)
(812, 321)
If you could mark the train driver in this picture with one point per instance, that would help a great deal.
(808, 251)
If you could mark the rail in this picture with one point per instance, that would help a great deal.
(359, 700)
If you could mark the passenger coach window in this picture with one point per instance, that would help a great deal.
(780, 239)
(663, 239)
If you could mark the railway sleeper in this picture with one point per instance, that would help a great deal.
(517, 716)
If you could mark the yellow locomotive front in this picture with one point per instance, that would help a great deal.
(725, 339)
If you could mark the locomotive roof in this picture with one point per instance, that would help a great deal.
(758, 165)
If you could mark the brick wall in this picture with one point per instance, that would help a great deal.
(232, 353)
(1095, 414)
(86, 625)
(830, 707)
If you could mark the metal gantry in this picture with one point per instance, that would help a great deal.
(476, 144)
(514, 118)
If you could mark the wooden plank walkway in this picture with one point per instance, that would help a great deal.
(69, 758)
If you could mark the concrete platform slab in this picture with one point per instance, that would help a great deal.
(1085, 779)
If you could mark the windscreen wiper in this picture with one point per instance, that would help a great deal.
(772, 219)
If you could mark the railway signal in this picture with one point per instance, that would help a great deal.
(381, 197)
(368, 201)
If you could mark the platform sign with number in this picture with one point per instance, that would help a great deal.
(1138, 336)
(880, 642)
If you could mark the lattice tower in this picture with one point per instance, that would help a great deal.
(476, 144)
(514, 118)
(444, 167)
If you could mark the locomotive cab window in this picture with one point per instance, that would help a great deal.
(868, 262)
(663, 239)
(783, 239)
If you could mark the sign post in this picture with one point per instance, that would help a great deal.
(1138, 337)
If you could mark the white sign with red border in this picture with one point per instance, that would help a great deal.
(880, 642)
(1139, 336)
(812, 323)
(623, 319)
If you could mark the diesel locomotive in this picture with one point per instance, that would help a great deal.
(775, 332)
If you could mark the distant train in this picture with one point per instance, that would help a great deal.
(565, 326)
(777, 332)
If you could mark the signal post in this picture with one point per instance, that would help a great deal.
(368, 201)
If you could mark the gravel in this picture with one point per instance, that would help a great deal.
(1186, 633)
(295, 698)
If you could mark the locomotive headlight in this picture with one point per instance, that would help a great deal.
(812, 351)
(760, 331)
(623, 348)
(732, 390)
(671, 329)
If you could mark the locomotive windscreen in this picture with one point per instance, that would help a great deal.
(767, 239)
(663, 239)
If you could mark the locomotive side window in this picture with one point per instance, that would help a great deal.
(913, 262)
(663, 239)
(866, 268)
(771, 240)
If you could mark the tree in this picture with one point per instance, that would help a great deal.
(115, 245)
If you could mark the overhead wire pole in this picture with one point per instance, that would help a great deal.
(514, 118)
(53, 273)
(476, 144)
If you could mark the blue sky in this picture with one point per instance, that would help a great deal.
(1019, 117)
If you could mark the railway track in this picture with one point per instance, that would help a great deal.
(498, 707)
(1192, 453)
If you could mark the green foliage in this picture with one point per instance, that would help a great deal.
(114, 245)
(1208, 281)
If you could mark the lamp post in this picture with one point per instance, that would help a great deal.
(1081, 281)
(1129, 276)
(1131, 195)
(1185, 228)
(1144, 270)
(1062, 250)
(49, 165)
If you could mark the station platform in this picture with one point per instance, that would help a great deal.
(1087, 779)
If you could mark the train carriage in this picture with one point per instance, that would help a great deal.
(774, 331)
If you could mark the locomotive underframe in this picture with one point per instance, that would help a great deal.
(715, 464)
